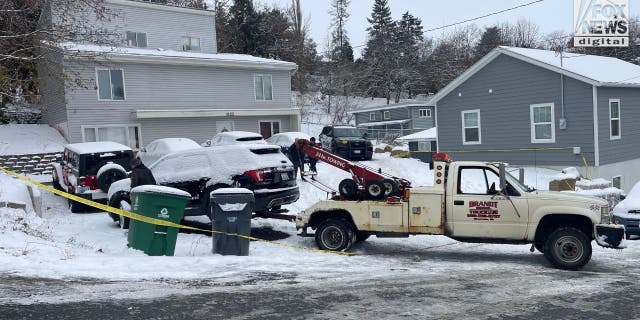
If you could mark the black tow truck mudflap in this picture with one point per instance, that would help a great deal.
(609, 235)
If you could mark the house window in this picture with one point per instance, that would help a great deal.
(424, 113)
(110, 84)
(190, 44)
(127, 135)
(542, 123)
(263, 87)
(614, 119)
(386, 115)
(372, 116)
(269, 128)
(471, 127)
(424, 145)
(616, 182)
(136, 39)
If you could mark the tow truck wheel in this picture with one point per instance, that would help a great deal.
(348, 189)
(335, 235)
(568, 248)
(390, 187)
(375, 190)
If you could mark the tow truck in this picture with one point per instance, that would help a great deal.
(470, 201)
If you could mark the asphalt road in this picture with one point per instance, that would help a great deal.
(551, 294)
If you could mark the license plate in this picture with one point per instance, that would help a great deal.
(357, 151)
(81, 189)
(284, 176)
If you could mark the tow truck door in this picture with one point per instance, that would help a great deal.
(477, 208)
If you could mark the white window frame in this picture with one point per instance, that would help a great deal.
(427, 113)
(128, 126)
(613, 183)
(424, 142)
(146, 39)
(271, 121)
(553, 123)
(190, 45)
(255, 92)
(386, 115)
(619, 118)
(124, 85)
(372, 116)
(464, 135)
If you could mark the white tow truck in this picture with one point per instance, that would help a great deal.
(471, 202)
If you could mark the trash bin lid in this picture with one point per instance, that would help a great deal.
(161, 190)
(223, 191)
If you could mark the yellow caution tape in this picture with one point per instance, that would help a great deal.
(497, 150)
(138, 217)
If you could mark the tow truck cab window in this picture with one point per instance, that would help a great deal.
(481, 181)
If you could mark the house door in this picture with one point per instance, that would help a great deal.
(269, 128)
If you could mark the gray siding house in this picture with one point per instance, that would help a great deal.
(165, 80)
(537, 107)
(395, 120)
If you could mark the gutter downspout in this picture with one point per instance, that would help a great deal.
(435, 122)
(596, 140)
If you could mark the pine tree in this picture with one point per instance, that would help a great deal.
(380, 52)
(408, 37)
(341, 50)
(491, 38)
(244, 28)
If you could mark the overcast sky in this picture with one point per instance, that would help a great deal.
(550, 15)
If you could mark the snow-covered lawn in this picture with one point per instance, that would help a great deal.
(17, 139)
(66, 245)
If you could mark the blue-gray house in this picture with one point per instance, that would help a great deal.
(395, 120)
(538, 107)
(165, 78)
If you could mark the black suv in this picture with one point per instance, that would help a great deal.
(88, 169)
(346, 142)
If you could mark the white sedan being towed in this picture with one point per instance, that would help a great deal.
(162, 147)
(234, 137)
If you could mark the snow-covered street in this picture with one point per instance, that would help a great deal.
(84, 258)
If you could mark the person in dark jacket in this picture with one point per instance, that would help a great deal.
(312, 161)
(296, 156)
(140, 174)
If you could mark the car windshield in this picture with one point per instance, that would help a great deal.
(347, 132)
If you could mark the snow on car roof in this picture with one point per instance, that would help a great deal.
(292, 135)
(240, 134)
(96, 147)
(177, 143)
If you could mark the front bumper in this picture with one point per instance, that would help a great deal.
(631, 226)
(354, 153)
(609, 235)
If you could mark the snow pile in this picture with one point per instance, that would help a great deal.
(13, 191)
(19, 139)
(598, 183)
(631, 202)
(429, 134)
(567, 173)
(404, 147)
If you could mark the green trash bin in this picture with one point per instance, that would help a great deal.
(161, 203)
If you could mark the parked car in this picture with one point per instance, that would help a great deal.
(234, 137)
(156, 149)
(347, 142)
(285, 140)
(88, 169)
(261, 168)
(627, 212)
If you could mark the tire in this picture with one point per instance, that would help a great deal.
(374, 190)
(390, 187)
(109, 176)
(57, 186)
(76, 207)
(362, 236)
(568, 248)
(539, 246)
(335, 235)
(627, 236)
(115, 201)
(348, 189)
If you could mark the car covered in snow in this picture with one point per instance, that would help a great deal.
(261, 168)
(627, 212)
(88, 169)
(347, 142)
(234, 137)
(156, 149)
(286, 139)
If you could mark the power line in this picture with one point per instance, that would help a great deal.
(465, 21)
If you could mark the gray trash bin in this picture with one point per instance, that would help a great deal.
(231, 210)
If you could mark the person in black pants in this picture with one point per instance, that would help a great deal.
(140, 174)
(296, 156)
(312, 161)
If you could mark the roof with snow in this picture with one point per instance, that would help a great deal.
(96, 147)
(177, 57)
(429, 134)
(425, 103)
(383, 123)
(592, 69)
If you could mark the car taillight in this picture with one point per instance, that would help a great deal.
(89, 181)
(257, 175)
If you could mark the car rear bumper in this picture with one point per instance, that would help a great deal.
(266, 199)
(609, 235)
